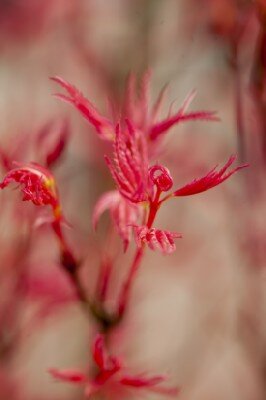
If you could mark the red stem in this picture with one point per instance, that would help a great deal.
(239, 103)
(104, 279)
(71, 267)
(152, 214)
(106, 268)
(124, 294)
(239, 116)
(69, 263)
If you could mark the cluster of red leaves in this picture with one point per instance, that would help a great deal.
(135, 109)
(157, 239)
(53, 137)
(111, 375)
(16, 22)
(48, 144)
(103, 126)
(37, 181)
(38, 185)
(227, 18)
(139, 185)
(142, 187)
(123, 213)
(130, 164)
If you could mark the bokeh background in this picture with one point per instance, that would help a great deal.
(199, 314)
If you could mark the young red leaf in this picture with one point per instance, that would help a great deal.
(140, 381)
(108, 201)
(38, 184)
(213, 178)
(159, 128)
(123, 213)
(110, 370)
(158, 103)
(163, 126)
(152, 383)
(129, 96)
(103, 126)
(59, 146)
(136, 105)
(98, 352)
(156, 239)
(161, 177)
(130, 164)
(68, 375)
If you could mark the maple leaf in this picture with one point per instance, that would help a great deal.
(103, 125)
(37, 185)
(130, 164)
(156, 239)
(111, 372)
(123, 213)
(213, 178)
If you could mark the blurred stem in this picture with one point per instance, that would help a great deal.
(126, 289)
(104, 279)
(239, 106)
(96, 310)
(10, 331)
(257, 83)
(71, 266)
(106, 265)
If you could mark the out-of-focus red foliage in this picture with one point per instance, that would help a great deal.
(203, 302)
(38, 185)
(112, 377)
(26, 20)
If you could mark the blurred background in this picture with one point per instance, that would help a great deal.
(198, 314)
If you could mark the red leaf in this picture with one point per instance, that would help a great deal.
(158, 103)
(165, 125)
(129, 168)
(103, 126)
(108, 365)
(122, 212)
(161, 177)
(181, 116)
(141, 381)
(136, 105)
(68, 375)
(156, 239)
(38, 184)
(149, 383)
(59, 146)
(98, 352)
(212, 179)
(107, 201)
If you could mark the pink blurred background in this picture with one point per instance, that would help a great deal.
(198, 314)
